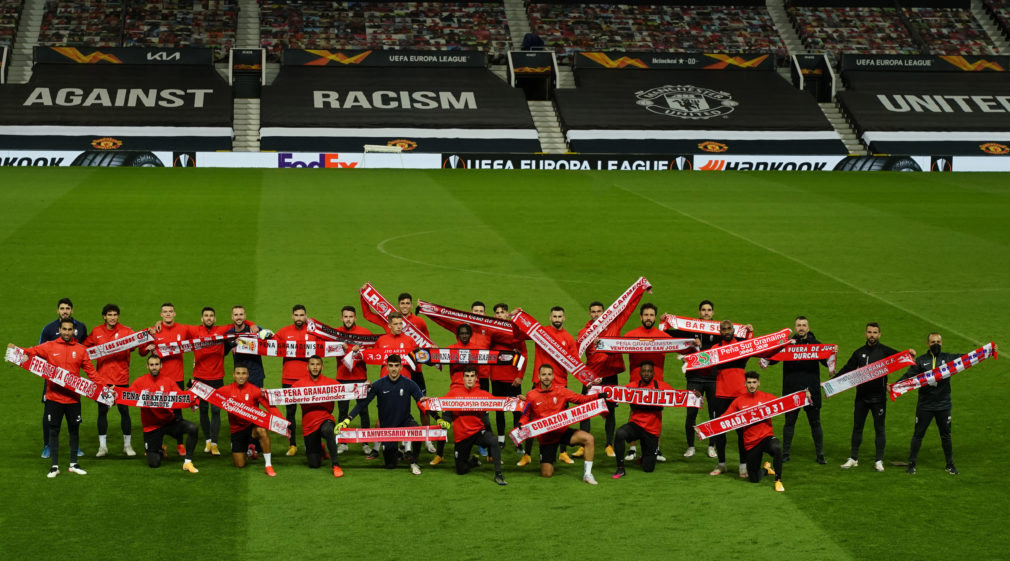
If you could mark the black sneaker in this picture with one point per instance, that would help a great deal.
(373, 455)
(910, 469)
(500, 479)
(952, 470)
(785, 457)
(821, 460)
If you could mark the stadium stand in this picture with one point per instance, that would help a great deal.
(10, 11)
(82, 23)
(313, 24)
(997, 9)
(836, 29)
(949, 31)
(573, 27)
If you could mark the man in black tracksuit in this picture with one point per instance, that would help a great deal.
(702, 380)
(934, 403)
(799, 375)
(871, 397)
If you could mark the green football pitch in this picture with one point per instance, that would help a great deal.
(914, 252)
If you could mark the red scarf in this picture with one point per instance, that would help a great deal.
(472, 404)
(377, 302)
(464, 356)
(709, 326)
(405, 434)
(374, 357)
(323, 331)
(542, 339)
(943, 371)
(254, 415)
(648, 396)
(451, 319)
(158, 400)
(119, 345)
(871, 371)
(640, 345)
(805, 352)
(557, 421)
(752, 415)
(190, 345)
(288, 349)
(316, 394)
(59, 376)
(741, 349)
(617, 314)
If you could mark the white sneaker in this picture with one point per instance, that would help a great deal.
(631, 454)
(743, 470)
(430, 446)
(660, 457)
(712, 453)
(102, 451)
(878, 465)
(689, 452)
(341, 448)
(415, 469)
(53, 472)
(590, 479)
(850, 463)
(74, 468)
(128, 450)
(366, 449)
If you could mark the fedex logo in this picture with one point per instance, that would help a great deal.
(286, 160)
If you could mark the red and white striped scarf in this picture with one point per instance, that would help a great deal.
(693, 325)
(871, 371)
(323, 331)
(288, 349)
(472, 404)
(805, 352)
(558, 421)
(741, 349)
(536, 332)
(649, 396)
(374, 357)
(190, 345)
(632, 345)
(450, 319)
(316, 394)
(59, 376)
(752, 415)
(464, 356)
(119, 345)
(383, 307)
(405, 434)
(156, 400)
(621, 308)
(943, 371)
(254, 415)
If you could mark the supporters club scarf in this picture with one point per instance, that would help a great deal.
(254, 415)
(558, 421)
(190, 345)
(943, 371)
(119, 345)
(871, 371)
(472, 404)
(159, 400)
(709, 326)
(288, 349)
(59, 376)
(752, 415)
(405, 434)
(374, 357)
(648, 396)
(450, 319)
(805, 352)
(464, 356)
(320, 329)
(740, 349)
(616, 345)
(316, 394)
(377, 302)
(542, 339)
(617, 314)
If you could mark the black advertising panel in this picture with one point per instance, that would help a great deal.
(351, 58)
(247, 61)
(123, 55)
(614, 60)
(532, 62)
(925, 63)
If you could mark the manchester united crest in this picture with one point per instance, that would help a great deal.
(687, 102)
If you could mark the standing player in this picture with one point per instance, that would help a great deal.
(51, 332)
(645, 423)
(356, 375)
(701, 380)
(758, 437)
(318, 424)
(472, 428)
(159, 422)
(648, 330)
(559, 375)
(800, 375)
(254, 363)
(871, 397)
(406, 304)
(65, 352)
(730, 384)
(293, 370)
(607, 367)
(394, 393)
(507, 380)
(481, 339)
(242, 431)
(209, 369)
(546, 399)
(113, 370)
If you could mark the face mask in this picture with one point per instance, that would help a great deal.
(935, 349)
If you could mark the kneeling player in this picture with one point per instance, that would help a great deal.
(242, 431)
(159, 422)
(758, 438)
(318, 424)
(470, 428)
(645, 423)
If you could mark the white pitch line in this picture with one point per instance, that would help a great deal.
(799, 262)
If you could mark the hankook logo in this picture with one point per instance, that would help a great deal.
(687, 102)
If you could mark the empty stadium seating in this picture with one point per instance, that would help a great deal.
(10, 11)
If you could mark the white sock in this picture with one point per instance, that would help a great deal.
(102, 439)
(187, 461)
(208, 441)
(126, 439)
(266, 458)
(589, 468)
(501, 441)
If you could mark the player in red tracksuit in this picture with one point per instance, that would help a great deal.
(472, 428)
(556, 331)
(356, 375)
(729, 385)
(647, 330)
(481, 339)
(113, 370)
(66, 353)
(294, 370)
(606, 366)
(506, 381)
(464, 340)
(645, 423)
(546, 399)
(159, 422)
(395, 340)
(169, 332)
(242, 431)
(209, 369)
(758, 437)
(318, 423)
